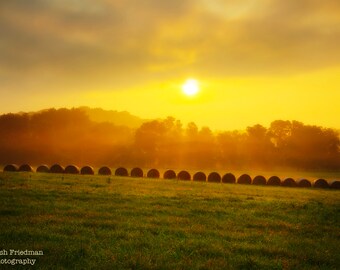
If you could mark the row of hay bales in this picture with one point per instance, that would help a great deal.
(214, 177)
(56, 168)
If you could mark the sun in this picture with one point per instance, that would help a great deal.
(190, 87)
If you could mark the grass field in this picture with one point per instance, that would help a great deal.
(97, 222)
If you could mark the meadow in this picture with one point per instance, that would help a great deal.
(102, 222)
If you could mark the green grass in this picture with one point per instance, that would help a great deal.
(100, 222)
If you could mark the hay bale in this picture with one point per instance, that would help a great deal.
(184, 175)
(43, 169)
(169, 174)
(274, 181)
(244, 179)
(137, 172)
(121, 171)
(153, 173)
(11, 168)
(289, 182)
(72, 169)
(335, 184)
(87, 170)
(214, 177)
(321, 183)
(259, 180)
(229, 178)
(303, 183)
(56, 168)
(105, 171)
(200, 176)
(26, 168)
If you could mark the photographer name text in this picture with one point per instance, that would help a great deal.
(17, 252)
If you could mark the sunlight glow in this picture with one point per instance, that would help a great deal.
(190, 87)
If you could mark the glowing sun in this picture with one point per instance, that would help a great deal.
(190, 87)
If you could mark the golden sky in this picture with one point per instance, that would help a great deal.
(255, 60)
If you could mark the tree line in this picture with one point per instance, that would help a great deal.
(68, 136)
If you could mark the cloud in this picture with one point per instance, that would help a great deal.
(77, 44)
(275, 37)
(94, 41)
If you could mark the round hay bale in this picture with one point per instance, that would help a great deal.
(259, 180)
(304, 183)
(153, 173)
(274, 181)
(11, 168)
(335, 184)
(169, 174)
(72, 169)
(229, 178)
(25, 168)
(289, 182)
(43, 169)
(321, 183)
(214, 177)
(121, 172)
(105, 171)
(184, 175)
(137, 172)
(199, 176)
(244, 179)
(56, 168)
(87, 170)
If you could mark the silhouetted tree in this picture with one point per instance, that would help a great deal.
(148, 140)
(258, 147)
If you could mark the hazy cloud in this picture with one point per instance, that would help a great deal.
(79, 43)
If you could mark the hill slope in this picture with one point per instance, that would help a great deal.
(118, 118)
